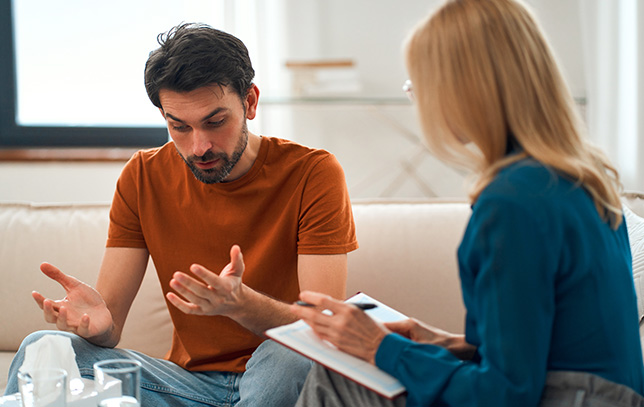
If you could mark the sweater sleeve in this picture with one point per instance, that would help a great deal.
(507, 271)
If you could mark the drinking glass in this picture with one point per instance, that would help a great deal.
(118, 382)
(43, 387)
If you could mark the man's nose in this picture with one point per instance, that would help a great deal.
(201, 143)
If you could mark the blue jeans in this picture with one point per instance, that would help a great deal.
(274, 376)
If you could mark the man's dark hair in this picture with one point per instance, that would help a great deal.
(195, 55)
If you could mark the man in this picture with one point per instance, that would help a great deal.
(193, 205)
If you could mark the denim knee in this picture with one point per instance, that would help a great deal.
(274, 376)
(280, 357)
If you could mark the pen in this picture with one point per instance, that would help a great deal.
(362, 305)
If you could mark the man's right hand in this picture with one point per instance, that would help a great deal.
(82, 311)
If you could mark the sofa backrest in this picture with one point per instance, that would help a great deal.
(407, 257)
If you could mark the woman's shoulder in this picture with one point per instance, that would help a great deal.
(529, 181)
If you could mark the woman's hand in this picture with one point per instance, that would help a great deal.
(347, 327)
(423, 333)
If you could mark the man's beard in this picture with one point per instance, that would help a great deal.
(224, 166)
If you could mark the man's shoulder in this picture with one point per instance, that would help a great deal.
(284, 151)
(292, 147)
(154, 156)
(153, 153)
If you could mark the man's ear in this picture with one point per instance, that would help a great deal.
(252, 99)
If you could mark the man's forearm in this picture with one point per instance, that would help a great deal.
(261, 312)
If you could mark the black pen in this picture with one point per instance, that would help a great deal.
(362, 305)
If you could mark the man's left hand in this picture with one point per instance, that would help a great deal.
(213, 294)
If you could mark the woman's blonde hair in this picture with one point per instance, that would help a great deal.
(483, 72)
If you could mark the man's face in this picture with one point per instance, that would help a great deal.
(208, 127)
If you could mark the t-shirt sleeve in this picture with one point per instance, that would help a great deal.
(125, 225)
(326, 224)
(513, 306)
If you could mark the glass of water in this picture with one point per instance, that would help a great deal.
(118, 382)
(43, 387)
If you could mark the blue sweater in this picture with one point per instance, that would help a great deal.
(547, 286)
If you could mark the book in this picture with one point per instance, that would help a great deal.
(299, 337)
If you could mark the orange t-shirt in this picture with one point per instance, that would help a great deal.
(292, 201)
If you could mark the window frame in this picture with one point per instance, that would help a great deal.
(14, 135)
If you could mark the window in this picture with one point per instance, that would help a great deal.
(71, 73)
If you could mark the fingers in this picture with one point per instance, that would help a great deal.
(346, 326)
(323, 301)
(208, 293)
(191, 288)
(323, 322)
(61, 278)
(50, 312)
(62, 322)
(236, 266)
(211, 282)
(311, 315)
(39, 298)
(57, 314)
(183, 306)
(403, 327)
(83, 326)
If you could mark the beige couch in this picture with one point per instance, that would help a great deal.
(407, 259)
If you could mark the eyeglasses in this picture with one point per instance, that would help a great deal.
(408, 89)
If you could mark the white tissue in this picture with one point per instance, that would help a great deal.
(56, 351)
(52, 351)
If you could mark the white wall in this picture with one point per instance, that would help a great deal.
(58, 182)
(372, 33)
(365, 139)
(561, 22)
(369, 32)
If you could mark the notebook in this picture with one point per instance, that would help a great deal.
(300, 337)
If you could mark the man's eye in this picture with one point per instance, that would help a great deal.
(180, 128)
(217, 123)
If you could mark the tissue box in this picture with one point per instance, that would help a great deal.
(12, 400)
(56, 351)
(84, 394)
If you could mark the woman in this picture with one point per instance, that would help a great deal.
(545, 262)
